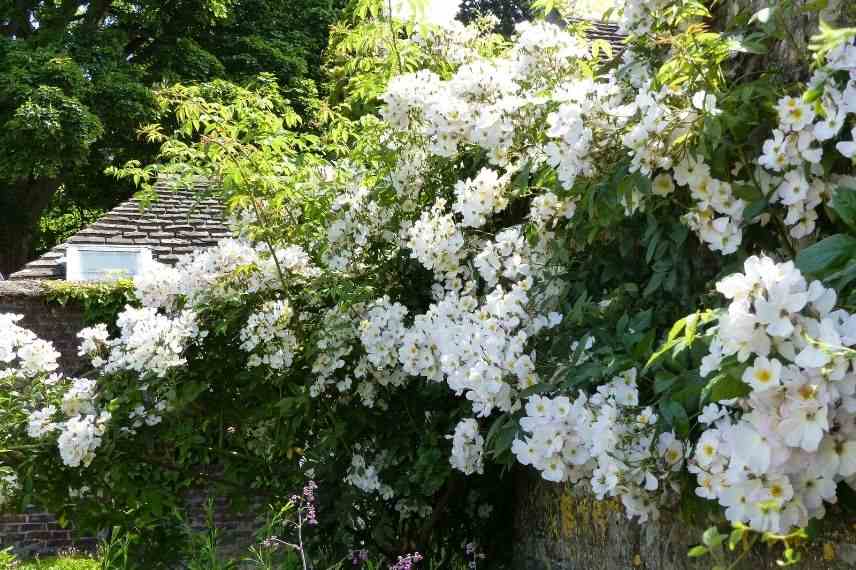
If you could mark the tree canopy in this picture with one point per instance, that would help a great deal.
(78, 81)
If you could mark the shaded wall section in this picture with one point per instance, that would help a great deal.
(36, 532)
(559, 527)
(50, 321)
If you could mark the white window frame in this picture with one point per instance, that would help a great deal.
(74, 271)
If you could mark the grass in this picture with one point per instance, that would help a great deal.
(62, 563)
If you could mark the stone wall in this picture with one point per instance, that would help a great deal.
(36, 532)
(559, 528)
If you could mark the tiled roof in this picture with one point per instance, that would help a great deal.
(177, 222)
(596, 30)
(599, 30)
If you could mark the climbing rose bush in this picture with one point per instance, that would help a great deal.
(494, 265)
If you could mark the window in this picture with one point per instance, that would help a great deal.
(105, 262)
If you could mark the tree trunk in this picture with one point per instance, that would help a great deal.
(16, 244)
(21, 206)
(559, 528)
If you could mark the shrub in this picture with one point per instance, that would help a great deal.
(617, 271)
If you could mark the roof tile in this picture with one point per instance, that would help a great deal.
(177, 222)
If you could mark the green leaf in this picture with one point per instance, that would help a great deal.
(748, 192)
(712, 537)
(723, 387)
(520, 182)
(669, 345)
(663, 381)
(697, 551)
(842, 278)
(675, 416)
(826, 255)
(676, 329)
(735, 537)
(755, 208)
(843, 203)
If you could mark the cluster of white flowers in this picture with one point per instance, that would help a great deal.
(194, 274)
(22, 352)
(480, 349)
(382, 332)
(774, 458)
(378, 329)
(141, 415)
(267, 338)
(358, 221)
(508, 257)
(718, 215)
(569, 152)
(203, 274)
(79, 421)
(24, 355)
(79, 398)
(366, 477)
(437, 242)
(639, 17)
(795, 149)
(486, 101)
(149, 342)
(480, 197)
(542, 49)
(607, 439)
(467, 447)
(9, 485)
(40, 422)
(81, 436)
(547, 209)
(94, 344)
(649, 138)
(336, 344)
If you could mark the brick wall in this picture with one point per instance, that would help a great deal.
(50, 321)
(35, 532)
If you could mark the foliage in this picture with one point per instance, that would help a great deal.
(742, 539)
(60, 563)
(78, 82)
(101, 301)
(494, 252)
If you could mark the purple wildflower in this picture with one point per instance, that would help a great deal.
(406, 562)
